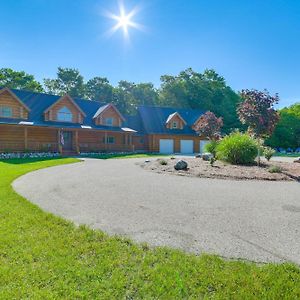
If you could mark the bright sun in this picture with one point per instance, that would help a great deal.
(124, 20)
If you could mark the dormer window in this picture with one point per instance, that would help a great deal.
(6, 112)
(109, 121)
(174, 125)
(64, 115)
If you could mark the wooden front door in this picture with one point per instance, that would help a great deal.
(68, 140)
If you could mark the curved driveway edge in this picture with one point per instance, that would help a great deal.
(254, 220)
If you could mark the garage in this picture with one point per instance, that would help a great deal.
(186, 146)
(166, 146)
(202, 145)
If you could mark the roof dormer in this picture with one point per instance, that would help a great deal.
(11, 106)
(108, 115)
(175, 121)
(65, 109)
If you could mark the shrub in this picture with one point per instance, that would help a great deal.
(275, 169)
(237, 148)
(268, 153)
(211, 147)
(163, 162)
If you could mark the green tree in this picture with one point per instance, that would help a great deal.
(287, 131)
(206, 91)
(99, 89)
(68, 81)
(19, 80)
(128, 96)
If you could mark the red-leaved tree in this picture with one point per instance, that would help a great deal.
(209, 125)
(257, 111)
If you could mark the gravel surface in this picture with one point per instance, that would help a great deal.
(254, 220)
(200, 168)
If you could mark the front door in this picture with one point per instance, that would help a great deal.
(67, 140)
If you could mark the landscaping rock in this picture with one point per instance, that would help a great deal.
(207, 156)
(198, 155)
(297, 160)
(181, 165)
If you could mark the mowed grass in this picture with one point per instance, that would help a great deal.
(45, 257)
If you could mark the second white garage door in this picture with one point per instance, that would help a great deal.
(166, 146)
(186, 146)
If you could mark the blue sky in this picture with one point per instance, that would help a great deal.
(253, 44)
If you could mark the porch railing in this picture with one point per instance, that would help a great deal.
(31, 146)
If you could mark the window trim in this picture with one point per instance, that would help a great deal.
(66, 112)
(3, 108)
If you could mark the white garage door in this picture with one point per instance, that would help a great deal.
(202, 144)
(166, 146)
(186, 146)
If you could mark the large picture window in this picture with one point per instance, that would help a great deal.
(5, 111)
(64, 115)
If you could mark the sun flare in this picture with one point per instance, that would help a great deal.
(124, 20)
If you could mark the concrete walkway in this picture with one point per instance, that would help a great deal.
(254, 220)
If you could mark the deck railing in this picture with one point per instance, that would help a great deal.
(31, 147)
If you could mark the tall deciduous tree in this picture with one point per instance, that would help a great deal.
(99, 89)
(68, 81)
(128, 96)
(287, 130)
(258, 113)
(206, 91)
(19, 80)
(209, 125)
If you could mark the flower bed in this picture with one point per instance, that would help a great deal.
(29, 155)
(104, 154)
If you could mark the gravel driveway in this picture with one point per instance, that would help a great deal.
(254, 220)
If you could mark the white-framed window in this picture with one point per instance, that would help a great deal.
(6, 111)
(109, 140)
(64, 115)
(174, 125)
(109, 121)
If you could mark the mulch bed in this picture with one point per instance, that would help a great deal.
(200, 168)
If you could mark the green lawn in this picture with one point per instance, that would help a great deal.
(46, 257)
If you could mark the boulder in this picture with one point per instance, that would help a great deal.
(181, 165)
(297, 160)
(207, 156)
(198, 155)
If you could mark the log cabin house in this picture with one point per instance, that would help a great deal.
(39, 122)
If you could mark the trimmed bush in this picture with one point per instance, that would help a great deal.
(237, 148)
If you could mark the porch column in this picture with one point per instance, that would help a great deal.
(25, 138)
(76, 142)
(130, 142)
(59, 147)
(105, 140)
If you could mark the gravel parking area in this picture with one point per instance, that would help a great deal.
(254, 220)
